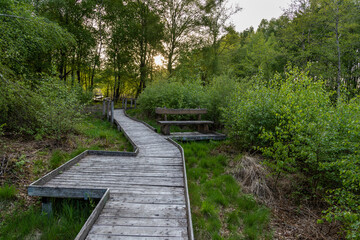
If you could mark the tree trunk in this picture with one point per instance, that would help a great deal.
(338, 78)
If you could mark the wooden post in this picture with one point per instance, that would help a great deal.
(165, 129)
(104, 108)
(125, 103)
(108, 110)
(131, 102)
(46, 206)
(135, 103)
(112, 112)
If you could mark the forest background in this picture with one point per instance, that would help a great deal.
(288, 89)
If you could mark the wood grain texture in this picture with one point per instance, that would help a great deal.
(180, 111)
(146, 197)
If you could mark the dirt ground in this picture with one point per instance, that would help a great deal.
(24, 160)
(292, 216)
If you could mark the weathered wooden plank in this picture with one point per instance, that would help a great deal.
(106, 178)
(165, 213)
(149, 198)
(113, 237)
(186, 191)
(141, 222)
(121, 206)
(62, 168)
(111, 153)
(71, 173)
(180, 111)
(119, 188)
(196, 136)
(88, 184)
(154, 162)
(140, 231)
(66, 192)
(185, 122)
(91, 158)
(136, 120)
(147, 190)
(124, 167)
(179, 182)
(93, 217)
(123, 171)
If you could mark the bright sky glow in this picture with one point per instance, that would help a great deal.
(253, 11)
(159, 60)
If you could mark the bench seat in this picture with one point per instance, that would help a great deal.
(203, 126)
(194, 122)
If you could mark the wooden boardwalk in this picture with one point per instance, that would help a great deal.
(144, 194)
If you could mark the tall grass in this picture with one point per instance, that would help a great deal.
(66, 221)
(7, 192)
(99, 135)
(219, 209)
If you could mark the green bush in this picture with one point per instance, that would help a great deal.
(49, 109)
(59, 109)
(298, 128)
(174, 94)
(171, 94)
(218, 95)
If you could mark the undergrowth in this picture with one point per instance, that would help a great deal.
(66, 221)
(219, 208)
(26, 160)
(7, 192)
(98, 135)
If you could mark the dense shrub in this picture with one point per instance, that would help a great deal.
(174, 94)
(48, 109)
(297, 127)
(171, 94)
(218, 95)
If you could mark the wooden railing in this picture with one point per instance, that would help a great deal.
(132, 102)
(108, 107)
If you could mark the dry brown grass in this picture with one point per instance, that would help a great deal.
(291, 218)
(253, 178)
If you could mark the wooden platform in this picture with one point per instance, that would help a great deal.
(196, 136)
(143, 194)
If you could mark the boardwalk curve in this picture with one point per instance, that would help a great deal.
(143, 194)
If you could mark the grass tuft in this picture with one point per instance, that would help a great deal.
(8, 192)
(219, 208)
(68, 218)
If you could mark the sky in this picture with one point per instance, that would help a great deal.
(253, 11)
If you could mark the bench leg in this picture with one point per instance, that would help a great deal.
(203, 128)
(165, 129)
(46, 206)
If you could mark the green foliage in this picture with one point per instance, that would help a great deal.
(218, 95)
(50, 109)
(65, 223)
(171, 94)
(2, 129)
(59, 109)
(216, 198)
(101, 136)
(108, 135)
(28, 42)
(7, 192)
(174, 94)
(297, 127)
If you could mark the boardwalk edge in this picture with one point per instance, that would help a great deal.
(190, 227)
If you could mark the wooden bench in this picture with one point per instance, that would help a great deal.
(203, 126)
